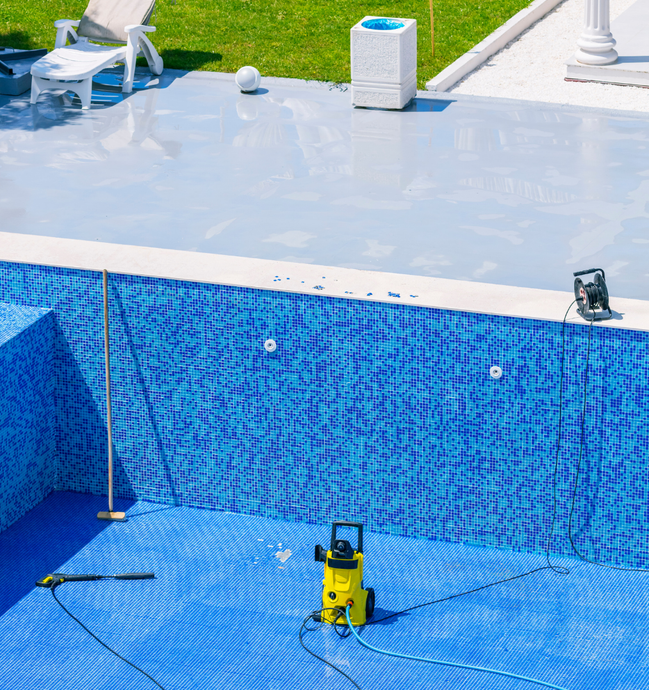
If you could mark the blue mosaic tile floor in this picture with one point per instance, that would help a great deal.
(224, 611)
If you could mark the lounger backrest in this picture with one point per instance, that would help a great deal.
(104, 20)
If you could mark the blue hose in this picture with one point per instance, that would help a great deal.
(445, 663)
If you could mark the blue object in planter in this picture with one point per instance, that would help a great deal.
(382, 24)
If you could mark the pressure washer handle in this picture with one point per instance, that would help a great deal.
(76, 578)
(345, 523)
(134, 576)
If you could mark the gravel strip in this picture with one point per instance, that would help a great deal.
(532, 66)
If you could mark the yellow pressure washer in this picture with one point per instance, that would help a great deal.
(343, 579)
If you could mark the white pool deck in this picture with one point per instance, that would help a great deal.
(458, 202)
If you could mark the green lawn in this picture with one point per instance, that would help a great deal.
(282, 38)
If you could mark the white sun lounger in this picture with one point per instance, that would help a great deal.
(72, 67)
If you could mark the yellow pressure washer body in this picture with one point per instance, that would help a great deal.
(343, 579)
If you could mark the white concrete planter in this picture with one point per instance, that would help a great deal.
(384, 64)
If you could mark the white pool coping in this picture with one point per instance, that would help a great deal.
(325, 281)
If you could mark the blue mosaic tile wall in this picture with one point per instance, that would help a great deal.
(28, 428)
(378, 412)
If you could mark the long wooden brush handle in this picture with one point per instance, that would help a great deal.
(108, 400)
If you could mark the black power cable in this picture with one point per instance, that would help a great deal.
(469, 591)
(576, 485)
(559, 570)
(56, 583)
(316, 614)
(317, 617)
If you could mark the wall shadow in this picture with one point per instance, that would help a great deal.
(82, 436)
(63, 523)
(45, 538)
(145, 393)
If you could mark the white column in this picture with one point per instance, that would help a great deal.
(596, 43)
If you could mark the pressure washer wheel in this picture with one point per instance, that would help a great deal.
(369, 603)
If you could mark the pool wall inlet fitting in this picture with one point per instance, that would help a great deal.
(384, 62)
(343, 578)
(495, 372)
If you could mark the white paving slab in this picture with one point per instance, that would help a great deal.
(532, 67)
(630, 30)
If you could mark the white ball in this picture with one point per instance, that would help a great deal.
(248, 79)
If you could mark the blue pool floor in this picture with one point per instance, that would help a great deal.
(224, 611)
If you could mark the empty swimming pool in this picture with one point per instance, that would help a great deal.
(377, 404)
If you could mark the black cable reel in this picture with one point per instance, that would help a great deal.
(592, 296)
